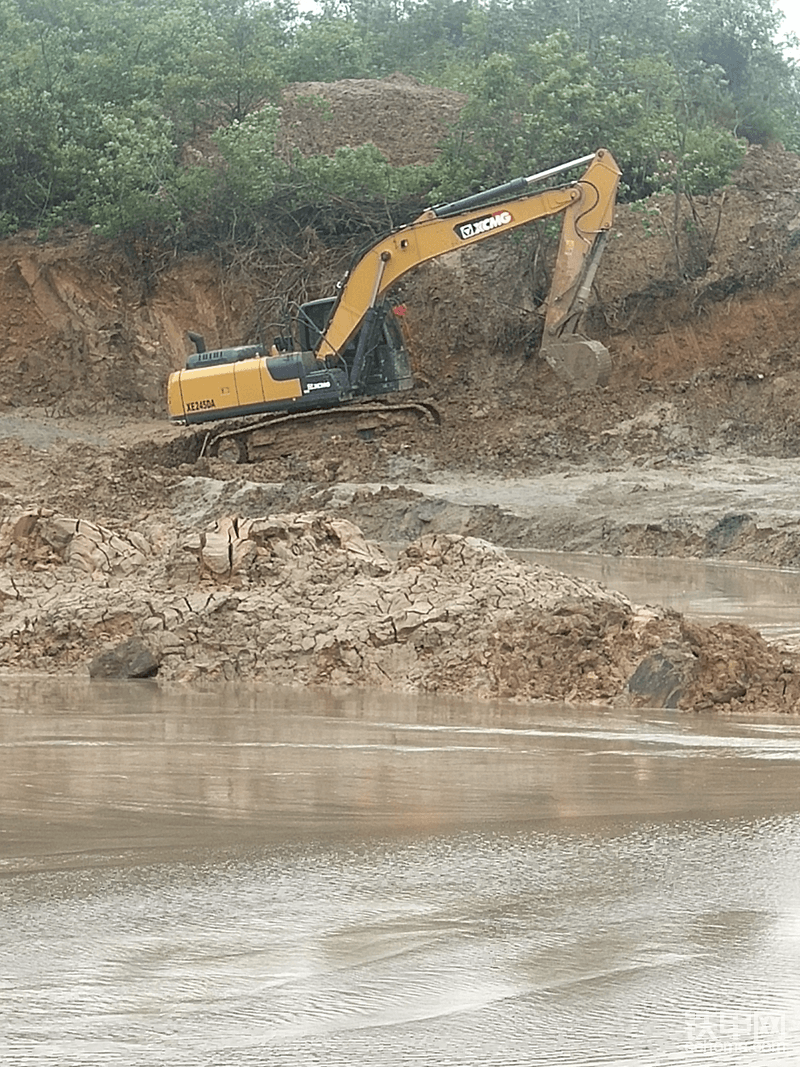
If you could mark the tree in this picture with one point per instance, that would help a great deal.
(738, 37)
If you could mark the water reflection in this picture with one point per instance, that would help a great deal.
(108, 766)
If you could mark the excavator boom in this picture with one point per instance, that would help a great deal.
(588, 209)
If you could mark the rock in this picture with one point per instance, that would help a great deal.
(661, 679)
(727, 531)
(131, 659)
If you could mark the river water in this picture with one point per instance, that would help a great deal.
(277, 877)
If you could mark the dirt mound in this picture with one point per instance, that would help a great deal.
(402, 117)
(306, 600)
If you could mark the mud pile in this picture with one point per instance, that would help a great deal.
(306, 600)
(403, 118)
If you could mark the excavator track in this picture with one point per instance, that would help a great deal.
(257, 438)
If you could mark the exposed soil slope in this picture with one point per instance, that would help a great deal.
(402, 117)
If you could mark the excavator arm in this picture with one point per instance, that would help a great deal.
(587, 206)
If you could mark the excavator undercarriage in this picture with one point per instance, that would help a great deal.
(251, 440)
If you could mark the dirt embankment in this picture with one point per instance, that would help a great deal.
(111, 530)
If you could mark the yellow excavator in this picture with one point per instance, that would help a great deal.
(351, 350)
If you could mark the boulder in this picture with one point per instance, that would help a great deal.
(130, 659)
(662, 679)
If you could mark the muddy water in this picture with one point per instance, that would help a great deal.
(766, 598)
(284, 878)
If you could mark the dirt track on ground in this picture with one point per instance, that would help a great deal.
(112, 529)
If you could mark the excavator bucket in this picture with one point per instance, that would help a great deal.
(581, 363)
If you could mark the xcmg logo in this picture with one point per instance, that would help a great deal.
(465, 230)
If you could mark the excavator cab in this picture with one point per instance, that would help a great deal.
(386, 366)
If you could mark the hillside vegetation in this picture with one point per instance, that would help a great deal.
(164, 122)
